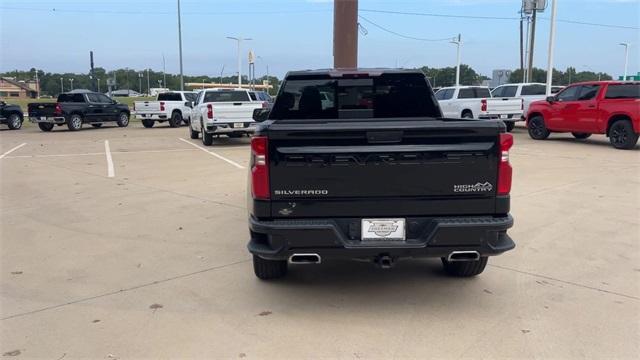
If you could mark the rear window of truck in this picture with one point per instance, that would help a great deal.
(623, 91)
(74, 98)
(169, 97)
(384, 96)
(226, 96)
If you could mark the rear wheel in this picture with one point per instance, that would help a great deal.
(580, 136)
(269, 269)
(537, 128)
(147, 123)
(176, 119)
(467, 114)
(193, 134)
(14, 122)
(123, 119)
(464, 268)
(207, 139)
(75, 122)
(510, 125)
(97, 125)
(622, 136)
(45, 126)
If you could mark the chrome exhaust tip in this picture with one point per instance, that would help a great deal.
(463, 256)
(305, 259)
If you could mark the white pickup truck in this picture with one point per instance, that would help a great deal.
(528, 92)
(475, 102)
(172, 106)
(225, 112)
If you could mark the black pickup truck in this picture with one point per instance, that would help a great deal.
(11, 115)
(361, 165)
(76, 108)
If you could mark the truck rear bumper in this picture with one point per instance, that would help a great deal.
(48, 119)
(226, 128)
(152, 116)
(510, 117)
(340, 238)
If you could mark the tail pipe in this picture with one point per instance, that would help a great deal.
(463, 256)
(305, 259)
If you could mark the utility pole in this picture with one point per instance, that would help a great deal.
(531, 44)
(93, 79)
(61, 85)
(180, 47)
(458, 42)
(221, 72)
(239, 40)
(140, 82)
(37, 85)
(164, 72)
(71, 81)
(148, 83)
(521, 46)
(345, 34)
(98, 84)
(626, 59)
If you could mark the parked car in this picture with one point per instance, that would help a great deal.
(173, 106)
(225, 112)
(11, 115)
(475, 102)
(78, 108)
(598, 107)
(379, 175)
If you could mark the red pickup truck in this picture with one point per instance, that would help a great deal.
(598, 107)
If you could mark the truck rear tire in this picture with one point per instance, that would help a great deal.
(175, 120)
(45, 126)
(580, 136)
(75, 122)
(148, 123)
(207, 139)
(464, 268)
(537, 129)
(14, 122)
(467, 114)
(269, 269)
(622, 136)
(123, 119)
(510, 125)
(192, 133)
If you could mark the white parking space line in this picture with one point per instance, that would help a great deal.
(98, 153)
(12, 150)
(107, 151)
(214, 154)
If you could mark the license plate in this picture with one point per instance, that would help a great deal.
(238, 125)
(43, 118)
(504, 116)
(383, 229)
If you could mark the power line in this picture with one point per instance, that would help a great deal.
(477, 17)
(398, 34)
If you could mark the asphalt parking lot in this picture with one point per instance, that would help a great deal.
(146, 259)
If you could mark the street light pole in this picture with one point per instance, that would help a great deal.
(140, 82)
(98, 84)
(180, 48)
(239, 40)
(148, 83)
(164, 72)
(71, 81)
(458, 42)
(61, 85)
(552, 39)
(626, 59)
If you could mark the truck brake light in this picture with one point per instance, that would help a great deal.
(209, 111)
(265, 104)
(161, 105)
(504, 169)
(483, 105)
(58, 109)
(260, 168)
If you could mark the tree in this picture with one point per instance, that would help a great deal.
(567, 77)
(447, 76)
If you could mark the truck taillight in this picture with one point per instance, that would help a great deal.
(209, 111)
(265, 104)
(161, 105)
(483, 105)
(504, 169)
(58, 110)
(260, 168)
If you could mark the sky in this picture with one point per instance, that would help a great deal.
(56, 35)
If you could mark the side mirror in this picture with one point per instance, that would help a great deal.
(551, 99)
(260, 115)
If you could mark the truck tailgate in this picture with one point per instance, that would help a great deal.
(235, 111)
(147, 106)
(504, 106)
(41, 109)
(434, 167)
